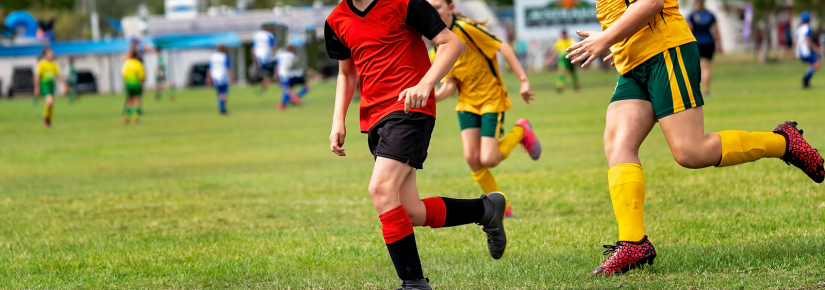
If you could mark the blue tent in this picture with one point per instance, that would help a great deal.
(229, 39)
(68, 48)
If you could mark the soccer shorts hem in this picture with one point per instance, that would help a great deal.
(809, 59)
(222, 89)
(134, 90)
(490, 124)
(46, 88)
(669, 81)
(267, 70)
(403, 137)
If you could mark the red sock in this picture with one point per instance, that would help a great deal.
(395, 224)
(400, 239)
(436, 212)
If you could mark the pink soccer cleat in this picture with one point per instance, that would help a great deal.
(529, 141)
(508, 213)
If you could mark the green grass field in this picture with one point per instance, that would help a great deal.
(190, 199)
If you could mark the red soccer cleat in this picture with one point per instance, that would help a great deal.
(529, 141)
(625, 256)
(295, 99)
(799, 153)
(281, 107)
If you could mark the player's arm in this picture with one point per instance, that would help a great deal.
(344, 91)
(347, 78)
(37, 81)
(717, 38)
(424, 18)
(510, 56)
(814, 47)
(598, 42)
(448, 88)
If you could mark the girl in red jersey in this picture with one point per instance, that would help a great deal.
(378, 44)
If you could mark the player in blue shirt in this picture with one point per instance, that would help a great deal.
(703, 24)
(263, 48)
(806, 48)
(220, 74)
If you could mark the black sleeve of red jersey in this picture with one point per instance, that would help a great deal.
(335, 48)
(424, 18)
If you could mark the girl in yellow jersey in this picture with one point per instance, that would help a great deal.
(133, 77)
(658, 60)
(482, 98)
(46, 78)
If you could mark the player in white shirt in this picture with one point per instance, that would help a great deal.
(220, 75)
(291, 73)
(263, 47)
(806, 49)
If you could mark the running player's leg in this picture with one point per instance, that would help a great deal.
(705, 65)
(48, 110)
(574, 76)
(437, 212)
(286, 95)
(813, 66)
(628, 123)
(305, 87)
(158, 89)
(136, 108)
(560, 80)
(222, 91)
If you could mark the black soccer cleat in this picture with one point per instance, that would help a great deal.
(492, 222)
(799, 153)
(417, 284)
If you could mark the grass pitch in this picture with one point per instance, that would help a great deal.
(190, 199)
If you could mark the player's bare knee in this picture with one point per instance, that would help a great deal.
(490, 161)
(472, 159)
(380, 190)
(687, 158)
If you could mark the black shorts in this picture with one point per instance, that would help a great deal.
(402, 137)
(707, 51)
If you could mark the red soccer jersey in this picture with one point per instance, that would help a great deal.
(389, 54)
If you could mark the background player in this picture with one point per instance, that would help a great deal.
(565, 66)
(806, 48)
(161, 79)
(47, 76)
(659, 82)
(482, 98)
(71, 84)
(379, 45)
(220, 74)
(703, 25)
(133, 77)
(290, 74)
(263, 48)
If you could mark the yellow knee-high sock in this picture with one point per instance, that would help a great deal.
(47, 112)
(509, 142)
(740, 147)
(627, 191)
(485, 178)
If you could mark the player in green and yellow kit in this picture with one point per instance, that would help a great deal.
(658, 60)
(482, 98)
(133, 77)
(46, 78)
(565, 66)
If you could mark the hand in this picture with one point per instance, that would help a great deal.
(594, 45)
(526, 92)
(609, 57)
(336, 138)
(415, 97)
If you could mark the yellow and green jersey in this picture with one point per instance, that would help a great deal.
(133, 73)
(480, 88)
(666, 29)
(562, 45)
(47, 71)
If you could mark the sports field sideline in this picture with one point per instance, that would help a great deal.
(189, 199)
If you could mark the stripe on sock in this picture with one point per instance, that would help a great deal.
(436, 212)
(395, 224)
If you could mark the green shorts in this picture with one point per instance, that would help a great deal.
(489, 123)
(46, 88)
(669, 81)
(566, 63)
(135, 90)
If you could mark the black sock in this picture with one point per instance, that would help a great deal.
(404, 254)
(463, 211)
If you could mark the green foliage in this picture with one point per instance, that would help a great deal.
(189, 199)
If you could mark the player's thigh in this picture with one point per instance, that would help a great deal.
(489, 149)
(471, 139)
(628, 122)
(387, 177)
